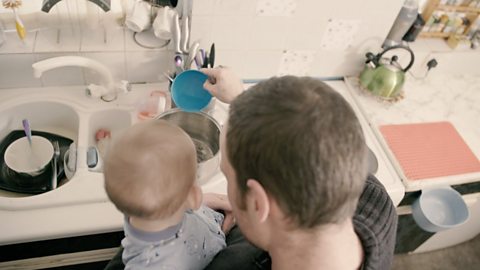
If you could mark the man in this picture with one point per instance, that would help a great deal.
(294, 156)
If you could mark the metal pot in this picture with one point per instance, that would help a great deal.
(204, 130)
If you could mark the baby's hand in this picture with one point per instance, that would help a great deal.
(220, 202)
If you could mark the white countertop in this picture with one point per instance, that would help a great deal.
(81, 206)
(439, 97)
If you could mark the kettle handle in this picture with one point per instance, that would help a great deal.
(412, 56)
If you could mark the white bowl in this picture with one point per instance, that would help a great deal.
(33, 160)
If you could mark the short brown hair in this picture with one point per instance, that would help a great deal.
(302, 141)
(150, 169)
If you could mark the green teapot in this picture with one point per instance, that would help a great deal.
(385, 77)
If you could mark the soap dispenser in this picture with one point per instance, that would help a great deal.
(403, 22)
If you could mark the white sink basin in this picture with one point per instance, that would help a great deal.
(80, 206)
(69, 113)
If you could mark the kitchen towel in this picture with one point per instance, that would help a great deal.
(429, 150)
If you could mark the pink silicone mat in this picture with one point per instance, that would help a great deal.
(429, 150)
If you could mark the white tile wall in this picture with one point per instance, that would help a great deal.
(231, 59)
(75, 27)
(60, 76)
(232, 32)
(253, 43)
(204, 7)
(232, 7)
(263, 29)
(104, 35)
(305, 34)
(202, 29)
(65, 39)
(268, 33)
(223, 7)
(148, 66)
(16, 71)
(276, 7)
(296, 62)
(260, 64)
(115, 61)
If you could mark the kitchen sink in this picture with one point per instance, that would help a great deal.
(68, 112)
(61, 119)
(54, 119)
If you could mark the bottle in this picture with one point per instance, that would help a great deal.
(415, 29)
(435, 21)
(473, 29)
(403, 22)
(444, 19)
(449, 23)
(464, 23)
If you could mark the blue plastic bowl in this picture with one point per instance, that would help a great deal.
(188, 92)
(439, 209)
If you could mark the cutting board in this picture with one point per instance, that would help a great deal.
(430, 150)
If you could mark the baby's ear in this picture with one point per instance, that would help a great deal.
(195, 197)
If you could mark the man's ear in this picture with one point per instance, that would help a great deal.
(195, 197)
(258, 199)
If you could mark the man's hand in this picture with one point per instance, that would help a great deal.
(222, 83)
(220, 202)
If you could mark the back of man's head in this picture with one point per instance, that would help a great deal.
(303, 143)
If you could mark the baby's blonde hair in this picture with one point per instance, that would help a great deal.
(150, 169)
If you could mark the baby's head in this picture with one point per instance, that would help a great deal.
(150, 170)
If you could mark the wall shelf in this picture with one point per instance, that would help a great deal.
(458, 8)
(459, 25)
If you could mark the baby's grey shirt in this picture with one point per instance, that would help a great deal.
(189, 245)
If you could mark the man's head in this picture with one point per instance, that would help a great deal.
(150, 169)
(300, 142)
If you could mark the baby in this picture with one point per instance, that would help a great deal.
(150, 173)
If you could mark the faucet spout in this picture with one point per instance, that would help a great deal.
(64, 61)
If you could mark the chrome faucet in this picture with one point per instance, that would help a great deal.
(107, 91)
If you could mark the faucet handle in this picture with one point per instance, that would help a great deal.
(124, 86)
(96, 91)
(105, 94)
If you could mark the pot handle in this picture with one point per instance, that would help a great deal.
(412, 56)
